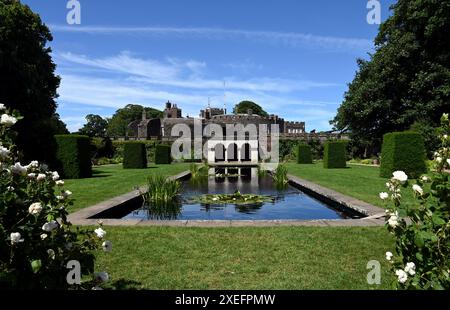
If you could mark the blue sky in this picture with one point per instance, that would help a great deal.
(293, 57)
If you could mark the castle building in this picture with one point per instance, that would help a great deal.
(238, 148)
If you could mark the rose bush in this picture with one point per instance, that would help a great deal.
(422, 230)
(36, 239)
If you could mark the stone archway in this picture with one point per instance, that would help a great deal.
(219, 153)
(246, 155)
(232, 153)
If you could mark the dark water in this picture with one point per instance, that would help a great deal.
(289, 204)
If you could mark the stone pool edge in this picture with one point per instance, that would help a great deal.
(375, 215)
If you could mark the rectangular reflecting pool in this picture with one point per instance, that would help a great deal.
(289, 203)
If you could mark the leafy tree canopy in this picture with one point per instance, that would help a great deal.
(117, 125)
(244, 106)
(28, 81)
(406, 80)
(95, 126)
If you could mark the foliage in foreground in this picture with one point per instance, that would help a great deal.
(422, 231)
(36, 239)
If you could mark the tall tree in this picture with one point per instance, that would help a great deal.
(244, 106)
(95, 126)
(406, 80)
(117, 125)
(27, 79)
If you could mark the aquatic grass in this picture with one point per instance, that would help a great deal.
(161, 189)
(280, 177)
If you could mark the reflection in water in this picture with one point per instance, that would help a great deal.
(163, 210)
(289, 203)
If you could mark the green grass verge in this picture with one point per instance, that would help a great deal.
(111, 181)
(245, 258)
(361, 182)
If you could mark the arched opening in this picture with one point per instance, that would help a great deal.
(219, 153)
(245, 152)
(232, 152)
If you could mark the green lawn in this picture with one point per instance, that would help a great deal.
(362, 182)
(245, 258)
(111, 181)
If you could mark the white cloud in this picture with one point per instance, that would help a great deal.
(293, 39)
(178, 73)
(115, 81)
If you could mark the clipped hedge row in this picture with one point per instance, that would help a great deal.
(403, 151)
(134, 155)
(73, 159)
(335, 155)
(162, 154)
(119, 147)
(304, 155)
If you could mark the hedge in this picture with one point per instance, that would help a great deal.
(73, 156)
(403, 151)
(304, 155)
(162, 154)
(134, 155)
(335, 155)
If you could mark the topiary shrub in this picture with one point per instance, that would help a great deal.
(335, 155)
(134, 155)
(73, 156)
(403, 151)
(304, 155)
(162, 154)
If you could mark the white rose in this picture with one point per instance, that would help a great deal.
(101, 276)
(8, 120)
(44, 236)
(4, 152)
(67, 194)
(55, 176)
(393, 221)
(41, 177)
(35, 208)
(100, 232)
(33, 164)
(31, 175)
(60, 197)
(416, 188)
(16, 238)
(18, 169)
(10, 189)
(50, 226)
(410, 268)
(2, 107)
(107, 246)
(389, 255)
(60, 183)
(439, 159)
(448, 161)
(402, 276)
(400, 176)
(425, 178)
(51, 253)
(384, 196)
